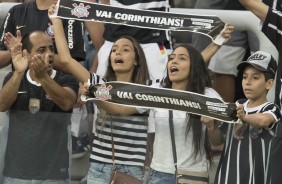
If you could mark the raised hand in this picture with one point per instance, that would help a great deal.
(84, 89)
(10, 40)
(227, 30)
(225, 35)
(52, 11)
(19, 58)
(209, 122)
(38, 67)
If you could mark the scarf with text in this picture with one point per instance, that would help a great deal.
(86, 11)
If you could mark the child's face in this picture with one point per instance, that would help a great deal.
(123, 56)
(254, 85)
(179, 65)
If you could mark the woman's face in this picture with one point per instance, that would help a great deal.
(123, 56)
(179, 65)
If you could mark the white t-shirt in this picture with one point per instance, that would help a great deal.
(163, 157)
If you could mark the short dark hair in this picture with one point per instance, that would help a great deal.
(268, 75)
(26, 43)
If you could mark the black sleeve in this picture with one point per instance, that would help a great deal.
(67, 80)
(7, 26)
(272, 27)
(74, 32)
(274, 110)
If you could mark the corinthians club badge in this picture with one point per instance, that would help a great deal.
(34, 105)
(80, 10)
(103, 92)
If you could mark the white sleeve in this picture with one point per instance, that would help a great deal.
(212, 93)
(141, 110)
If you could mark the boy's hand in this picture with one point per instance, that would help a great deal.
(240, 112)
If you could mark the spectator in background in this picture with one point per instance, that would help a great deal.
(40, 102)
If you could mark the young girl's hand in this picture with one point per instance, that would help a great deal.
(84, 89)
(52, 11)
(209, 122)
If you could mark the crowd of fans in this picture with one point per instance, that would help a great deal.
(54, 60)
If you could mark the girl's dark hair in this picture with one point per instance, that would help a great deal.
(140, 74)
(198, 80)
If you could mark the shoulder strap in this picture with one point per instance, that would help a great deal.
(171, 127)
(113, 146)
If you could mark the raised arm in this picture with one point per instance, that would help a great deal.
(257, 7)
(225, 35)
(71, 65)
(95, 30)
(8, 93)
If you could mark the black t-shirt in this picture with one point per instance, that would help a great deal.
(27, 18)
(37, 145)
